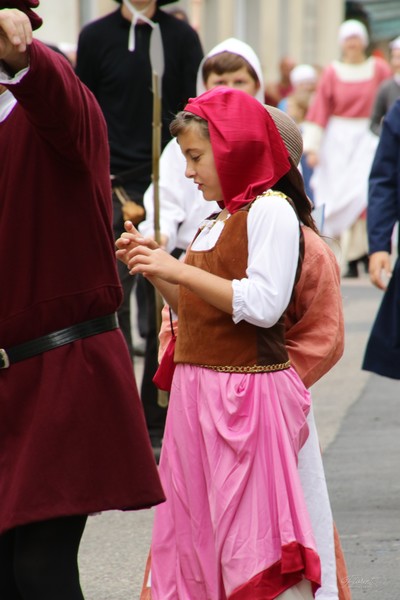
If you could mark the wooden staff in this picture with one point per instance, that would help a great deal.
(157, 68)
(156, 151)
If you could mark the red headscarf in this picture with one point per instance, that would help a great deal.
(249, 153)
(24, 6)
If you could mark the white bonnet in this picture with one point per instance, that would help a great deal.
(395, 44)
(302, 74)
(234, 46)
(353, 27)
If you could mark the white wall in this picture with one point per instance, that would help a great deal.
(60, 21)
(305, 29)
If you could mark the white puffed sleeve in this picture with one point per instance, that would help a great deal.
(273, 234)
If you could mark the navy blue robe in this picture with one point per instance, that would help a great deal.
(382, 355)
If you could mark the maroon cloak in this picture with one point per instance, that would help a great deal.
(73, 438)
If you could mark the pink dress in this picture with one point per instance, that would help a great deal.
(337, 128)
(235, 525)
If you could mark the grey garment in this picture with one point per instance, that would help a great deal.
(387, 94)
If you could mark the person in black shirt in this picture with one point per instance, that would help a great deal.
(121, 80)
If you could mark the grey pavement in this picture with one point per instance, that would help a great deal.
(362, 469)
(358, 423)
(362, 462)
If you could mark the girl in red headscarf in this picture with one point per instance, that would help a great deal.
(235, 524)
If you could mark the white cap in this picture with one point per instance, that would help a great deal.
(234, 46)
(353, 27)
(303, 74)
(395, 44)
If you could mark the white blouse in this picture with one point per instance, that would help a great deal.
(7, 100)
(273, 233)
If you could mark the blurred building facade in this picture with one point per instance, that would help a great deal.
(305, 30)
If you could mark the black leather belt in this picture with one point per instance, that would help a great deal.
(8, 356)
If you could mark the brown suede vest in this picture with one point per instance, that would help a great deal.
(208, 336)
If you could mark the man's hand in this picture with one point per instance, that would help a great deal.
(312, 159)
(15, 37)
(379, 262)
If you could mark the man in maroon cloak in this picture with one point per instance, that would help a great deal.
(73, 439)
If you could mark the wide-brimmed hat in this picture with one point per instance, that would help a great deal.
(26, 7)
(289, 132)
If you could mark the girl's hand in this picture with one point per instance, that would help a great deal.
(150, 241)
(155, 264)
(129, 240)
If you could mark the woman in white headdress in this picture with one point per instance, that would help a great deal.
(339, 144)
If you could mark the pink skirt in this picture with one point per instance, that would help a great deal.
(235, 524)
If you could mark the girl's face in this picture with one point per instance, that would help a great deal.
(240, 79)
(200, 165)
(353, 49)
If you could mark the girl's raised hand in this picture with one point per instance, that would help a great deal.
(155, 263)
(129, 240)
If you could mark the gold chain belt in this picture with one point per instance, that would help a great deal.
(252, 369)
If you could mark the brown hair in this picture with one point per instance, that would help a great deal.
(184, 120)
(292, 185)
(226, 62)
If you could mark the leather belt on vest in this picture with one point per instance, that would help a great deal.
(8, 356)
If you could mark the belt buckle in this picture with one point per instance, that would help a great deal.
(4, 360)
